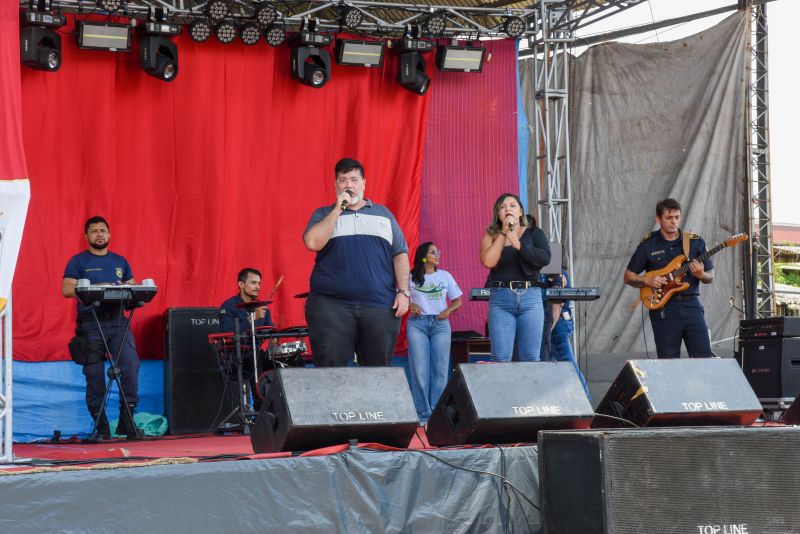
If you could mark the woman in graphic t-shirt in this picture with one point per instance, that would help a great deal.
(429, 328)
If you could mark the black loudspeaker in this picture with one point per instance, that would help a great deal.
(671, 392)
(682, 480)
(312, 408)
(792, 415)
(194, 388)
(508, 403)
(772, 366)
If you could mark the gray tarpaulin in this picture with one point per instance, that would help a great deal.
(650, 122)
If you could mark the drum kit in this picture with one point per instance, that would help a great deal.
(267, 348)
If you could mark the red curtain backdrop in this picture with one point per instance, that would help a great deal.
(12, 154)
(201, 177)
(470, 160)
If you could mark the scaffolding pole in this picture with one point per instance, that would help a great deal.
(6, 404)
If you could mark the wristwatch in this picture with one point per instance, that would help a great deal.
(405, 292)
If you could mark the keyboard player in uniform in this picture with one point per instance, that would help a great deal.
(101, 266)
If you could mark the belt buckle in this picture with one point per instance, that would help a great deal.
(519, 287)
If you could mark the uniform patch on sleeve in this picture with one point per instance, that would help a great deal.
(646, 236)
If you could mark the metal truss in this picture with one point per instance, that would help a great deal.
(6, 429)
(761, 301)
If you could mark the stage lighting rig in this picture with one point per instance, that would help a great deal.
(217, 10)
(460, 58)
(158, 57)
(514, 27)
(250, 33)
(200, 30)
(435, 23)
(359, 53)
(266, 15)
(109, 5)
(225, 32)
(275, 35)
(350, 17)
(413, 73)
(39, 44)
(311, 65)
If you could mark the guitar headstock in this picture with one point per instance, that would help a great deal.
(735, 239)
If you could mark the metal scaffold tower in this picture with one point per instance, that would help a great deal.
(761, 288)
(6, 430)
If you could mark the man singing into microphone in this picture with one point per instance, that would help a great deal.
(359, 285)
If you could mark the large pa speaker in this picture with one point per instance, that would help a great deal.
(194, 388)
(670, 392)
(312, 408)
(508, 403)
(723, 480)
(772, 366)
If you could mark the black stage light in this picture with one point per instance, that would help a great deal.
(514, 27)
(217, 10)
(275, 36)
(460, 58)
(412, 73)
(416, 45)
(350, 17)
(435, 24)
(40, 48)
(109, 5)
(250, 33)
(225, 32)
(200, 30)
(266, 15)
(104, 36)
(311, 66)
(158, 57)
(359, 53)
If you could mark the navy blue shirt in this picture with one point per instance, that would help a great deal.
(654, 252)
(228, 313)
(356, 265)
(110, 268)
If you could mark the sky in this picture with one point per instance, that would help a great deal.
(784, 80)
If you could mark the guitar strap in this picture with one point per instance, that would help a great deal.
(685, 245)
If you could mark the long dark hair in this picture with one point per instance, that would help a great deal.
(418, 272)
(497, 225)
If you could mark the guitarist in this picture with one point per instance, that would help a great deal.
(682, 318)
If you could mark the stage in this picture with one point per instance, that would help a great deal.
(206, 483)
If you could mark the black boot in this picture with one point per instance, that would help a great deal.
(103, 431)
(126, 425)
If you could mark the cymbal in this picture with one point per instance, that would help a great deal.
(253, 304)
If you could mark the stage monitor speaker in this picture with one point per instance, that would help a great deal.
(729, 480)
(312, 408)
(792, 415)
(672, 392)
(508, 403)
(194, 388)
(772, 366)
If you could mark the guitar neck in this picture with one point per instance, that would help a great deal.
(683, 269)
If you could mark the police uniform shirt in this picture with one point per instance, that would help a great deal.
(110, 268)
(229, 313)
(654, 252)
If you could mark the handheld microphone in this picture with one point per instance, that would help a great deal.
(510, 223)
(345, 202)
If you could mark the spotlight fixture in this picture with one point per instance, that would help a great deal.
(460, 58)
(412, 73)
(158, 57)
(225, 32)
(350, 17)
(104, 36)
(266, 15)
(250, 33)
(217, 10)
(275, 36)
(200, 30)
(311, 66)
(514, 27)
(359, 53)
(40, 48)
(109, 5)
(435, 24)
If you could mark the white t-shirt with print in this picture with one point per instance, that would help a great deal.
(431, 297)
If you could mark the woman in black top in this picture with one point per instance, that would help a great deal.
(515, 253)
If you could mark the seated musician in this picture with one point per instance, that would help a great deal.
(101, 266)
(249, 282)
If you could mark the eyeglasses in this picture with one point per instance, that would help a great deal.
(436, 253)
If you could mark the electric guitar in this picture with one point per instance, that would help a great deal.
(655, 299)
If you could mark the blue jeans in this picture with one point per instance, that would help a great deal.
(561, 350)
(516, 314)
(428, 361)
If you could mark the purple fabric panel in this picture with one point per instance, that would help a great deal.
(470, 159)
